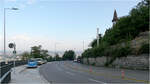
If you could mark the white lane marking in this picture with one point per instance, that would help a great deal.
(96, 81)
(70, 73)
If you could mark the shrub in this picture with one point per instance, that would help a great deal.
(117, 53)
(110, 61)
(144, 49)
(123, 52)
(93, 64)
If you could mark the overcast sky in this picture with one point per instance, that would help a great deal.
(64, 22)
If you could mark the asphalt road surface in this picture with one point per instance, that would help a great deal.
(70, 72)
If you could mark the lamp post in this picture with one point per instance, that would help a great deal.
(55, 51)
(83, 46)
(5, 29)
(97, 36)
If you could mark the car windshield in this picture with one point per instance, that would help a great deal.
(39, 59)
(31, 60)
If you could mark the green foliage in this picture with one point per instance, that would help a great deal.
(126, 29)
(87, 53)
(144, 49)
(38, 52)
(140, 16)
(93, 64)
(26, 55)
(50, 58)
(111, 61)
(94, 42)
(79, 57)
(57, 57)
(35, 51)
(69, 55)
(122, 52)
(95, 51)
(117, 53)
(44, 54)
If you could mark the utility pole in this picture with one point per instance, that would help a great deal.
(97, 36)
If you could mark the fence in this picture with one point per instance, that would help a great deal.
(5, 70)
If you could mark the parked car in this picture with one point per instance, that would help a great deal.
(79, 60)
(74, 60)
(45, 61)
(32, 63)
(40, 61)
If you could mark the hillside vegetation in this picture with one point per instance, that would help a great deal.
(126, 29)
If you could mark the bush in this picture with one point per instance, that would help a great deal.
(117, 53)
(144, 49)
(123, 52)
(93, 64)
(126, 29)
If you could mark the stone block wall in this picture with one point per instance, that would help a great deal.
(130, 62)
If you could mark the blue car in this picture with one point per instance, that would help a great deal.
(32, 63)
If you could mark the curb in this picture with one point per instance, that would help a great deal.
(42, 76)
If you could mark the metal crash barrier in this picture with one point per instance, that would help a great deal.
(6, 69)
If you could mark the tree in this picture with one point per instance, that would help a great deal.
(140, 16)
(57, 57)
(25, 55)
(44, 54)
(126, 29)
(35, 51)
(38, 52)
(69, 55)
(49, 58)
(94, 42)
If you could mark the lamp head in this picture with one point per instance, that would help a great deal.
(14, 8)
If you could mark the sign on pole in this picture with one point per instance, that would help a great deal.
(11, 45)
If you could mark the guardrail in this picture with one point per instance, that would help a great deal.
(5, 70)
(5, 74)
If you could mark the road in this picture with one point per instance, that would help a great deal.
(70, 72)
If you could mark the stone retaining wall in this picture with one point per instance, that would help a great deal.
(131, 62)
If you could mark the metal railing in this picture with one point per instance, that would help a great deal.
(5, 70)
(5, 73)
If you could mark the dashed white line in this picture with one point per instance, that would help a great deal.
(69, 73)
(97, 81)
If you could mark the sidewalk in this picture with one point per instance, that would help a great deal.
(23, 75)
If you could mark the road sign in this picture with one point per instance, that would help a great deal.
(11, 45)
(14, 52)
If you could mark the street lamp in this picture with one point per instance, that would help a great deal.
(83, 46)
(56, 47)
(5, 28)
(97, 36)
